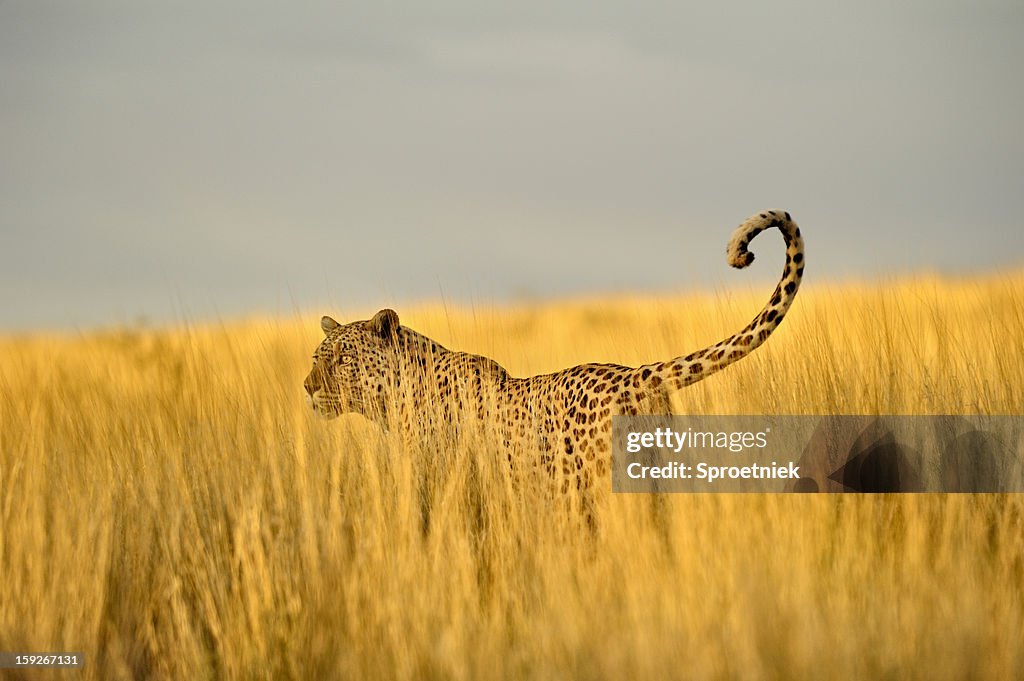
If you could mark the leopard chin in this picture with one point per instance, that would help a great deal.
(320, 408)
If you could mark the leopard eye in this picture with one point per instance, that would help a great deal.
(345, 360)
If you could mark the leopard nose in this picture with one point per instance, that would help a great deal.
(308, 385)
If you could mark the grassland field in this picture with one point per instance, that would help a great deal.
(171, 507)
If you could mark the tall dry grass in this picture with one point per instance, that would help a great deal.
(169, 507)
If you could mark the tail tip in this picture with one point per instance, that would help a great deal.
(740, 257)
(737, 254)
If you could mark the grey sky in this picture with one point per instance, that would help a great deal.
(197, 159)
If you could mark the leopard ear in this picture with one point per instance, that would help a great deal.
(328, 324)
(385, 324)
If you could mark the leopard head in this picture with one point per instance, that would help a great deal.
(354, 367)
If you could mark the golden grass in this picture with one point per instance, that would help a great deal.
(169, 507)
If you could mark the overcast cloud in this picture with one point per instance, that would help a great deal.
(216, 159)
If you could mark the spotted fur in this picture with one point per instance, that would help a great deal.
(562, 421)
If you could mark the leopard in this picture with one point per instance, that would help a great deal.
(559, 423)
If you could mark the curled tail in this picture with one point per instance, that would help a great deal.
(683, 371)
